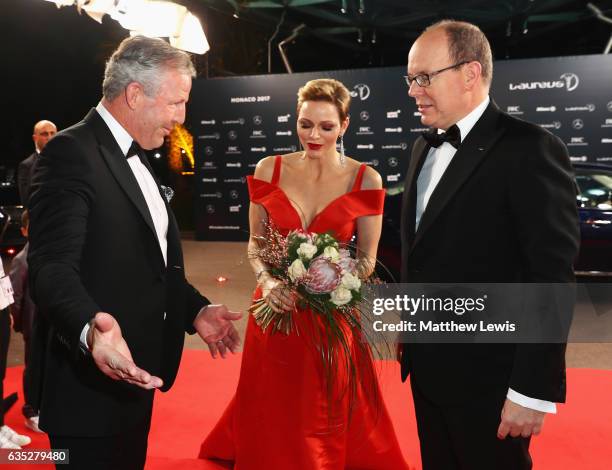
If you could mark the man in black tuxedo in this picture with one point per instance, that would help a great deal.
(488, 199)
(106, 266)
(43, 131)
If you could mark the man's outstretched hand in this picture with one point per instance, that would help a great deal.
(112, 356)
(215, 326)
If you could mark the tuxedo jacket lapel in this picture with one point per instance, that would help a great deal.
(120, 168)
(468, 157)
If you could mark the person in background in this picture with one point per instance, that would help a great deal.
(9, 439)
(43, 131)
(24, 314)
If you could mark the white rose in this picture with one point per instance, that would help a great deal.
(296, 270)
(341, 296)
(307, 250)
(350, 282)
(331, 253)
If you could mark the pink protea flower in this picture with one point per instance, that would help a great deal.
(323, 276)
(348, 264)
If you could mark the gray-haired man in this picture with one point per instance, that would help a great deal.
(106, 265)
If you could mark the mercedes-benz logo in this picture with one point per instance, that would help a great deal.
(210, 209)
(257, 120)
(375, 162)
(577, 124)
(393, 162)
(233, 194)
(233, 135)
(208, 151)
(364, 115)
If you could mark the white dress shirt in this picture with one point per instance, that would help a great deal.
(435, 165)
(147, 185)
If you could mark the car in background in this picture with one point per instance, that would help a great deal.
(594, 202)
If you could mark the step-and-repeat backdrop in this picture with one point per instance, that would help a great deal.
(237, 121)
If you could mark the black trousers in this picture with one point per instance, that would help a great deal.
(125, 451)
(465, 437)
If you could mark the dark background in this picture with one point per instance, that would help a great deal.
(53, 59)
(569, 96)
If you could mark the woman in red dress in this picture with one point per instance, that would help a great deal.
(286, 414)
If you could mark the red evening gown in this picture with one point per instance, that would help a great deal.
(280, 417)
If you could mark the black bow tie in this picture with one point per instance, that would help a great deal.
(134, 149)
(452, 136)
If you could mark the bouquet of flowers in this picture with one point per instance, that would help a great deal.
(331, 284)
(318, 268)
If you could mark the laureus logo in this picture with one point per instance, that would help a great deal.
(567, 80)
(361, 90)
(571, 81)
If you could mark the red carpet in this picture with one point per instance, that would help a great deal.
(578, 437)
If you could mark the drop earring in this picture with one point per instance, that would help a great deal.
(342, 157)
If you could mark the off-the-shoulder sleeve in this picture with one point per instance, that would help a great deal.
(365, 202)
(259, 189)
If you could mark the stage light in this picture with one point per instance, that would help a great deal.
(151, 18)
(181, 145)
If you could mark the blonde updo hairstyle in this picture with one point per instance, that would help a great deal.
(329, 90)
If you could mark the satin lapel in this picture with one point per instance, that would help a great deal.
(471, 153)
(119, 167)
(419, 154)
